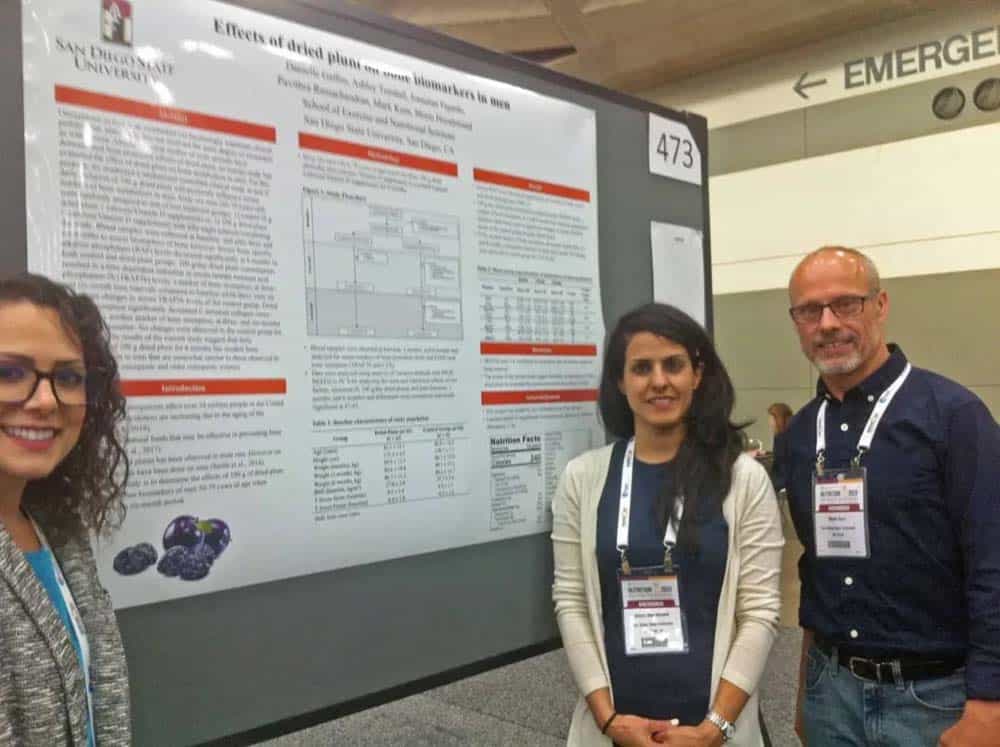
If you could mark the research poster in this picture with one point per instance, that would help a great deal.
(354, 294)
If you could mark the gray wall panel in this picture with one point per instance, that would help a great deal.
(13, 226)
(756, 335)
(759, 142)
(206, 666)
(627, 203)
(946, 323)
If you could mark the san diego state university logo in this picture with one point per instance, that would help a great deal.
(116, 21)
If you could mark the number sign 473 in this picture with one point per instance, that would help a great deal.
(672, 147)
(673, 151)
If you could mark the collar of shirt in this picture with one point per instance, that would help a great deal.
(872, 387)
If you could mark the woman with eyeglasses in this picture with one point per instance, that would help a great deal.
(667, 549)
(63, 677)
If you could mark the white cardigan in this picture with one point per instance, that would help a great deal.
(749, 601)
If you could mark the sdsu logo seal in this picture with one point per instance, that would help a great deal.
(116, 21)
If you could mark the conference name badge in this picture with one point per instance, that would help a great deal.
(840, 513)
(654, 620)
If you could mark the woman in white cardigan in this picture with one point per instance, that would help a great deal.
(667, 549)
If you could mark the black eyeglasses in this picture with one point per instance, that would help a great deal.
(843, 307)
(19, 382)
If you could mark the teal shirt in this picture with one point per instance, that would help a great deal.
(44, 565)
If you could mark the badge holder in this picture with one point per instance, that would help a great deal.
(654, 621)
(840, 510)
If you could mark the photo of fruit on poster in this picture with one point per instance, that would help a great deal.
(190, 547)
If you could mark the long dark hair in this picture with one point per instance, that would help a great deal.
(704, 463)
(85, 489)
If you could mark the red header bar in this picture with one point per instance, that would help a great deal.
(534, 348)
(530, 185)
(165, 114)
(658, 604)
(840, 508)
(201, 387)
(539, 397)
(379, 155)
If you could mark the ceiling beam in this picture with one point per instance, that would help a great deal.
(544, 32)
(638, 45)
(572, 22)
(723, 36)
(595, 51)
(433, 12)
(515, 34)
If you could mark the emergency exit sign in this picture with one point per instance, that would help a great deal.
(922, 58)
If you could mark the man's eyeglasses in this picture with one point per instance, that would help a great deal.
(19, 381)
(844, 307)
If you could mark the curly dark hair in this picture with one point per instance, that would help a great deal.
(84, 492)
(704, 462)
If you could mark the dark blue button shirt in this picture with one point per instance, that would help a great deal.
(932, 584)
(665, 685)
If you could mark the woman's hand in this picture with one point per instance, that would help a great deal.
(636, 731)
(705, 734)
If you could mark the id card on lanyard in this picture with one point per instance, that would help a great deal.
(651, 600)
(840, 496)
(75, 620)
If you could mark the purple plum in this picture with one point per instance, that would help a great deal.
(184, 532)
(217, 535)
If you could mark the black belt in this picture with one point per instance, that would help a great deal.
(880, 668)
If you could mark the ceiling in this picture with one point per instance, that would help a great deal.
(637, 45)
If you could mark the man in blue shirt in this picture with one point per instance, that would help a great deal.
(893, 478)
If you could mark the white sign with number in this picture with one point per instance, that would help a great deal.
(673, 151)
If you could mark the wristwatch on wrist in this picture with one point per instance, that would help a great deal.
(727, 729)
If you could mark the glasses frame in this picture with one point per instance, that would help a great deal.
(824, 306)
(50, 377)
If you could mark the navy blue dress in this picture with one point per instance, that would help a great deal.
(660, 686)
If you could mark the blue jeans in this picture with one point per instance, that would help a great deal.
(845, 710)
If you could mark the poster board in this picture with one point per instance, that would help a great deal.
(345, 287)
(286, 175)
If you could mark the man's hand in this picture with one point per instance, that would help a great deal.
(706, 734)
(978, 727)
(636, 731)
